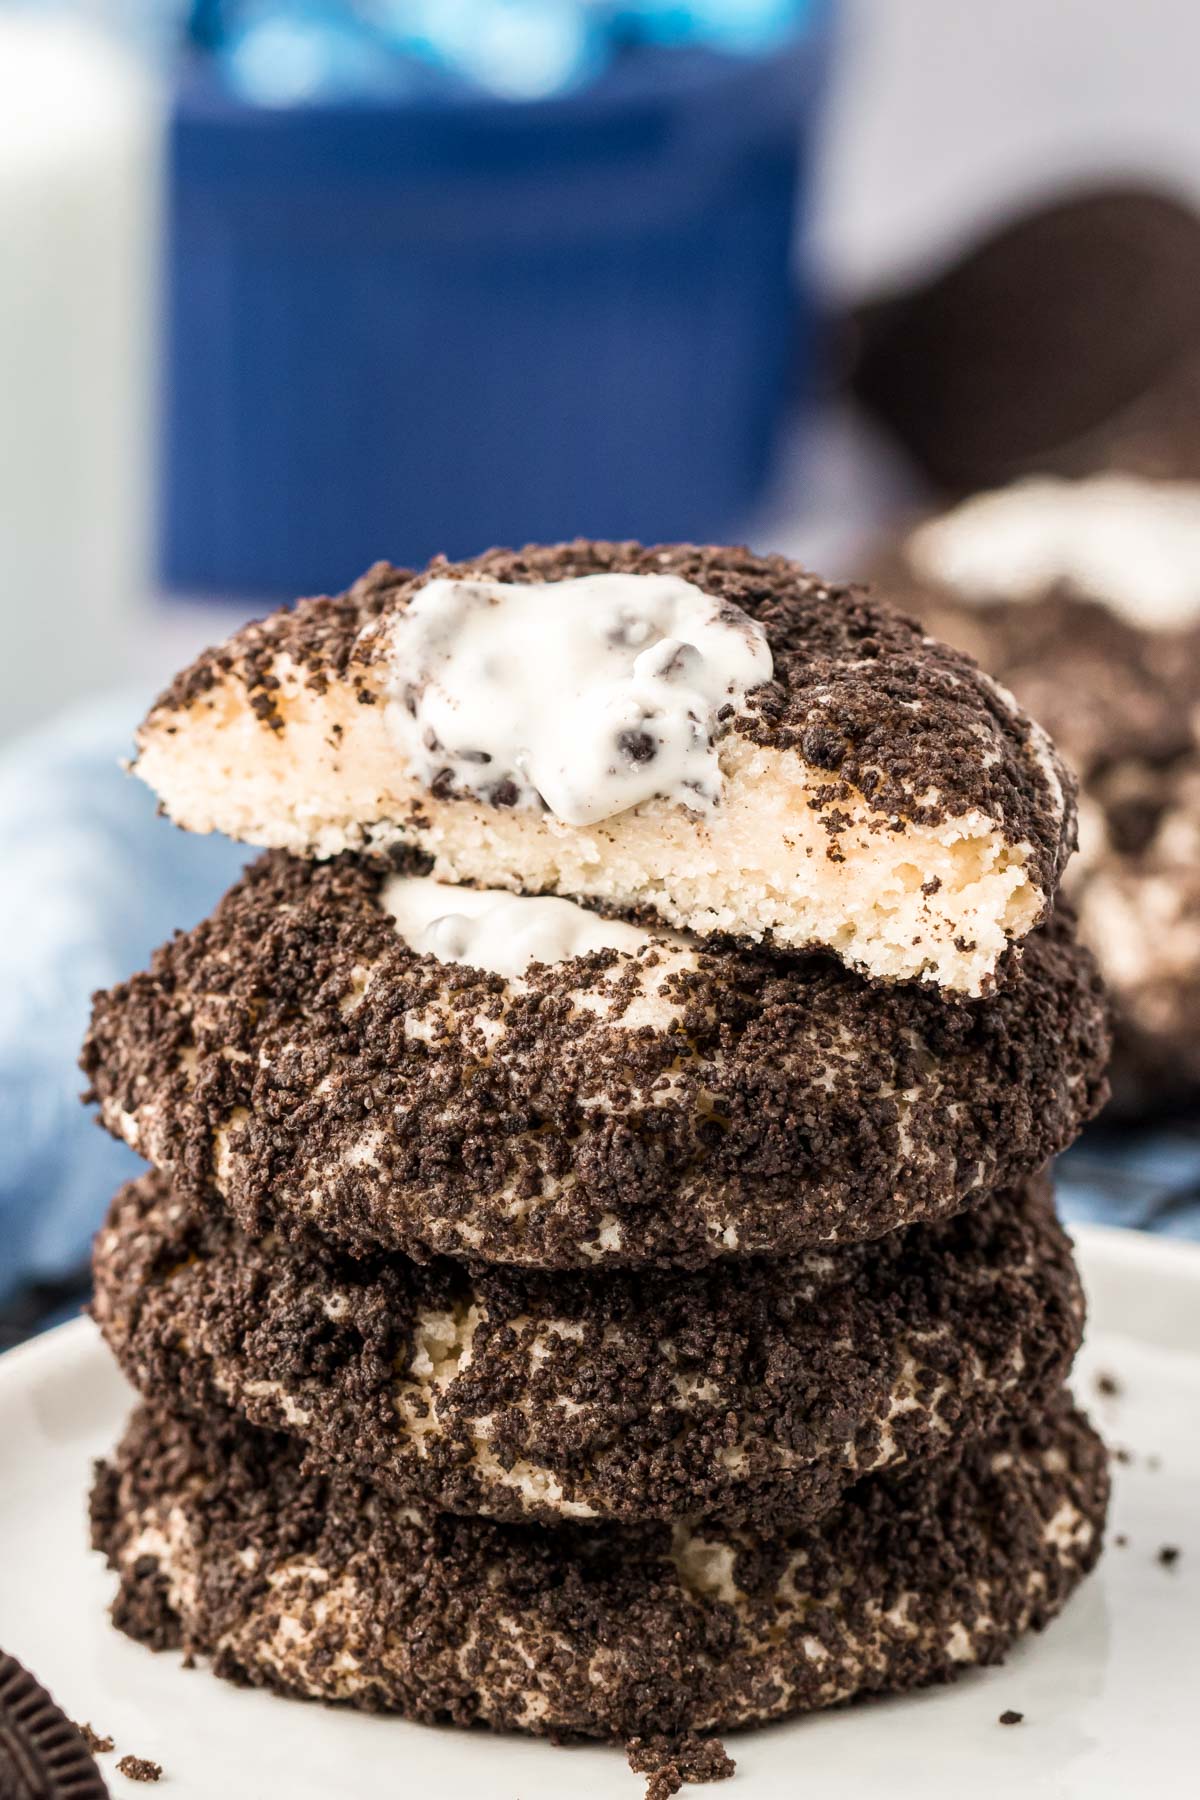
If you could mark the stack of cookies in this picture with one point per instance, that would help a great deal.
(598, 1274)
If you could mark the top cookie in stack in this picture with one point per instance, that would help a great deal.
(718, 739)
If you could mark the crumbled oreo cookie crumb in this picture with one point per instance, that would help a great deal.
(1169, 1555)
(1009, 1717)
(1107, 1384)
(139, 1768)
(1121, 1540)
(97, 1744)
(670, 1762)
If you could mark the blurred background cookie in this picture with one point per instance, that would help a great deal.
(1083, 597)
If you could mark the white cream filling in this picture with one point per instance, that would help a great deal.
(501, 932)
(585, 697)
(1129, 543)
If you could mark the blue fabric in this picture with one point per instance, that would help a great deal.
(92, 881)
(1148, 1180)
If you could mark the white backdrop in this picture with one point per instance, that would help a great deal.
(946, 110)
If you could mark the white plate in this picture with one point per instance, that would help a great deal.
(1108, 1693)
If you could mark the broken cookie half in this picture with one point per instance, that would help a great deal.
(716, 738)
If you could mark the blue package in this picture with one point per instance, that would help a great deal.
(399, 327)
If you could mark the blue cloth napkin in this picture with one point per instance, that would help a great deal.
(93, 880)
(1149, 1180)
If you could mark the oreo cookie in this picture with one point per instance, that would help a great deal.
(1066, 341)
(42, 1755)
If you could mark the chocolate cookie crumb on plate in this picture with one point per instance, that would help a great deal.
(670, 1762)
(97, 1744)
(42, 1754)
(140, 1768)
(1009, 1717)
(1169, 1555)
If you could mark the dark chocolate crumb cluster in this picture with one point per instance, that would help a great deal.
(97, 1743)
(140, 1768)
(671, 1762)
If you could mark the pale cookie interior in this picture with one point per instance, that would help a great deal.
(938, 902)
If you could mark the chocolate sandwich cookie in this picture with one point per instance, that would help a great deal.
(1067, 341)
(1083, 597)
(654, 1101)
(42, 1754)
(322, 1588)
(720, 739)
(525, 1395)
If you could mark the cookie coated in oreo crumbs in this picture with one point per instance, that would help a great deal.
(619, 1394)
(859, 692)
(227, 1544)
(271, 1053)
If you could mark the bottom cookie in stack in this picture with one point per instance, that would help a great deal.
(227, 1544)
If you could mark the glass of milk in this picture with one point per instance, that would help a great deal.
(80, 131)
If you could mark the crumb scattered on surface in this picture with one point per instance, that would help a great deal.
(140, 1768)
(670, 1762)
(1123, 1456)
(1169, 1555)
(94, 1740)
(1107, 1384)
(1009, 1717)
(1121, 1540)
